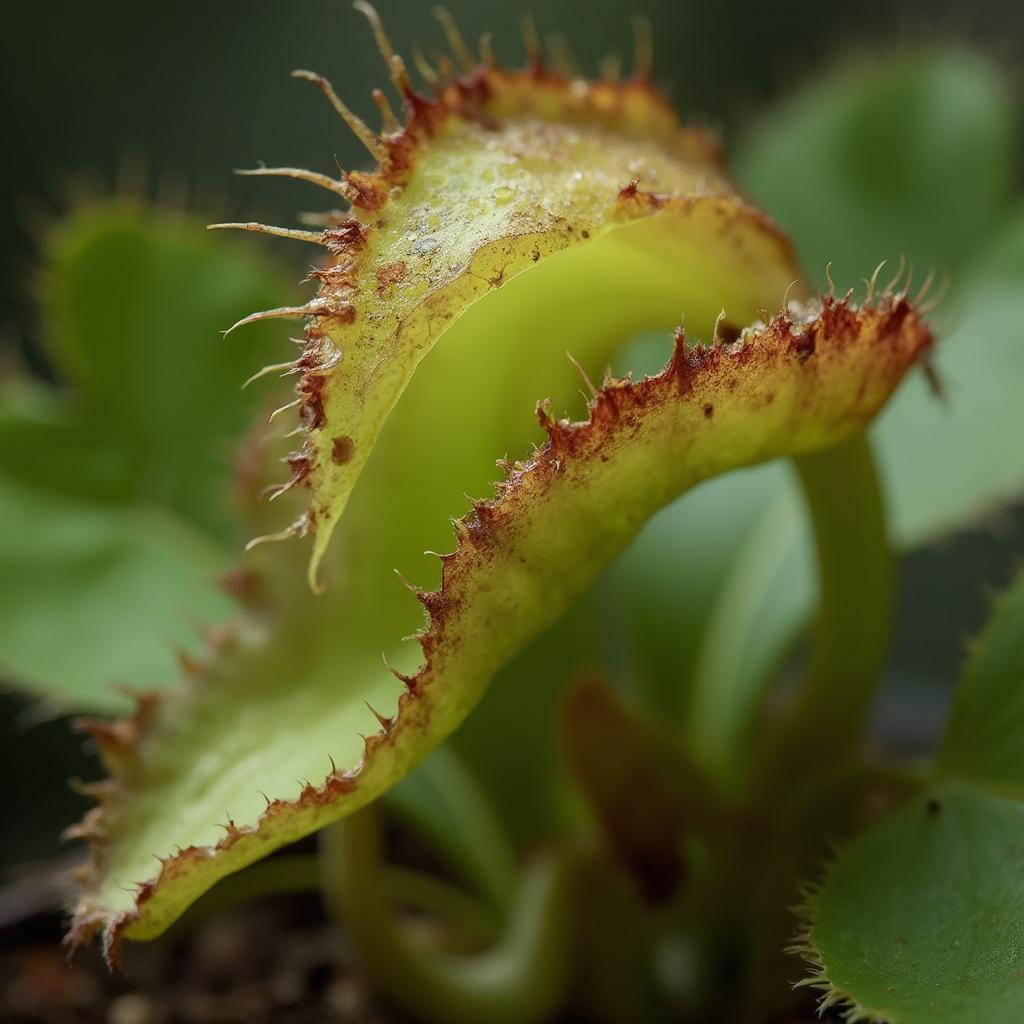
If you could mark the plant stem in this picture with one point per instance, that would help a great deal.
(806, 765)
(521, 979)
(851, 633)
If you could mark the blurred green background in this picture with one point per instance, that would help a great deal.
(163, 100)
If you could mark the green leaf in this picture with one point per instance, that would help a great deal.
(116, 487)
(443, 800)
(947, 462)
(907, 156)
(765, 597)
(984, 739)
(511, 739)
(921, 921)
(43, 446)
(98, 594)
(134, 307)
(946, 122)
(667, 613)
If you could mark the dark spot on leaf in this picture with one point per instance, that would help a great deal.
(391, 273)
(342, 449)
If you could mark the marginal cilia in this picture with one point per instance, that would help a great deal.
(464, 89)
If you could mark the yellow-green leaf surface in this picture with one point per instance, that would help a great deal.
(507, 172)
(623, 223)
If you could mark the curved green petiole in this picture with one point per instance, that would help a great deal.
(522, 978)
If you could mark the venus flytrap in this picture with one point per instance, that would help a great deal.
(538, 162)
(514, 216)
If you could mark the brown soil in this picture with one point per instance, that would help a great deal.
(276, 961)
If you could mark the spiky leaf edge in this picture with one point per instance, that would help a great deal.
(478, 94)
(831, 997)
(615, 415)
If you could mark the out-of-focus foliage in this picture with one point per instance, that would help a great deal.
(115, 486)
(921, 921)
(983, 744)
(910, 156)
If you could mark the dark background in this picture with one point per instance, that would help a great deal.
(176, 94)
(167, 98)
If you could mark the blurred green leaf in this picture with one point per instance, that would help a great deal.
(910, 156)
(43, 445)
(115, 488)
(765, 598)
(642, 789)
(511, 739)
(947, 461)
(944, 464)
(922, 920)
(984, 740)
(97, 594)
(442, 798)
(667, 581)
(134, 309)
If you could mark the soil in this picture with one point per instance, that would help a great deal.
(276, 961)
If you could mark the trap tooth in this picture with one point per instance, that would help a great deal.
(301, 174)
(360, 129)
(296, 234)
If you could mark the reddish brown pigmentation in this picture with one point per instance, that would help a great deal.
(345, 314)
(368, 191)
(311, 393)
(239, 582)
(630, 190)
(342, 450)
(300, 465)
(347, 237)
(633, 193)
(391, 273)
(803, 345)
